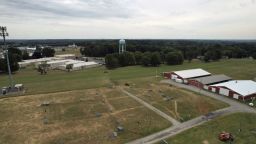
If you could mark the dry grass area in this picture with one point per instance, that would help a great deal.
(75, 117)
(188, 104)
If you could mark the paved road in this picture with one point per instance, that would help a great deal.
(178, 128)
(174, 130)
(167, 117)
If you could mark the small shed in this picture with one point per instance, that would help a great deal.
(19, 87)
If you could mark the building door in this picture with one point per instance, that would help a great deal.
(224, 91)
(236, 96)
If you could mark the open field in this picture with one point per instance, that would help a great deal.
(208, 132)
(77, 97)
(56, 81)
(189, 104)
(83, 116)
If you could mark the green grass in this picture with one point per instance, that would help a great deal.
(72, 114)
(189, 104)
(56, 81)
(209, 132)
(72, 119)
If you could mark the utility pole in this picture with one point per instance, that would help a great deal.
(4, 34)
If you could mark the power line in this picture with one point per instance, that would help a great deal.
(3, 33)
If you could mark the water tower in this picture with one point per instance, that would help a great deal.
(122, 46)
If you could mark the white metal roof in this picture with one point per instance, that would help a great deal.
(242, 87)
(84, 64)
(65, 55)
(192, 73)
(57, 61)
(74, 62)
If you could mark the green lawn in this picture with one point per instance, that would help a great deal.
(72, 115)
(56, 81)
(72, 118)
(189, 104)
(208, 132)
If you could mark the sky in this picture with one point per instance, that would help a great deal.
(129, 19)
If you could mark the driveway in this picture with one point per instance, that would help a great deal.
(180, 127)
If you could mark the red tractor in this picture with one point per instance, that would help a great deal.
(226, 137)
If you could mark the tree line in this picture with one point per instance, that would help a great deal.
(154, 59)
(190, 49)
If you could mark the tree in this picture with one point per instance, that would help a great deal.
(155, 59)
(37, 53)
(146, 59)
(2, 65)
(190, 55)
(207, 57)
(238, 53)
(163, 56)
(25, 55)
(16, 53)
(15, 56)
(254, 55)
(180, 59)
(129, 58)
(13, 59)
(174, 58)
(138, 56)
(227, 53)
(48, 52)
(212, 54)
(216, 55)
(111, 61)
(69, 67)
(43, 68)
(126, 59)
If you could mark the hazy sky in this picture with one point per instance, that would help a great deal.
(155, 19)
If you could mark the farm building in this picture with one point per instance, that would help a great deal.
(204, 82)
(57, 63)
(79, 66)
(237, 89)
(73, 62)
(184, 75)
(26, 63)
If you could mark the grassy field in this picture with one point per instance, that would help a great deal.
(56, 81)
(77, 97)
(208, 132)
(83, 116)
(163, 97)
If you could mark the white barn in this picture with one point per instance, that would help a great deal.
(79, 66)
(238, 89)
(184, 75)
